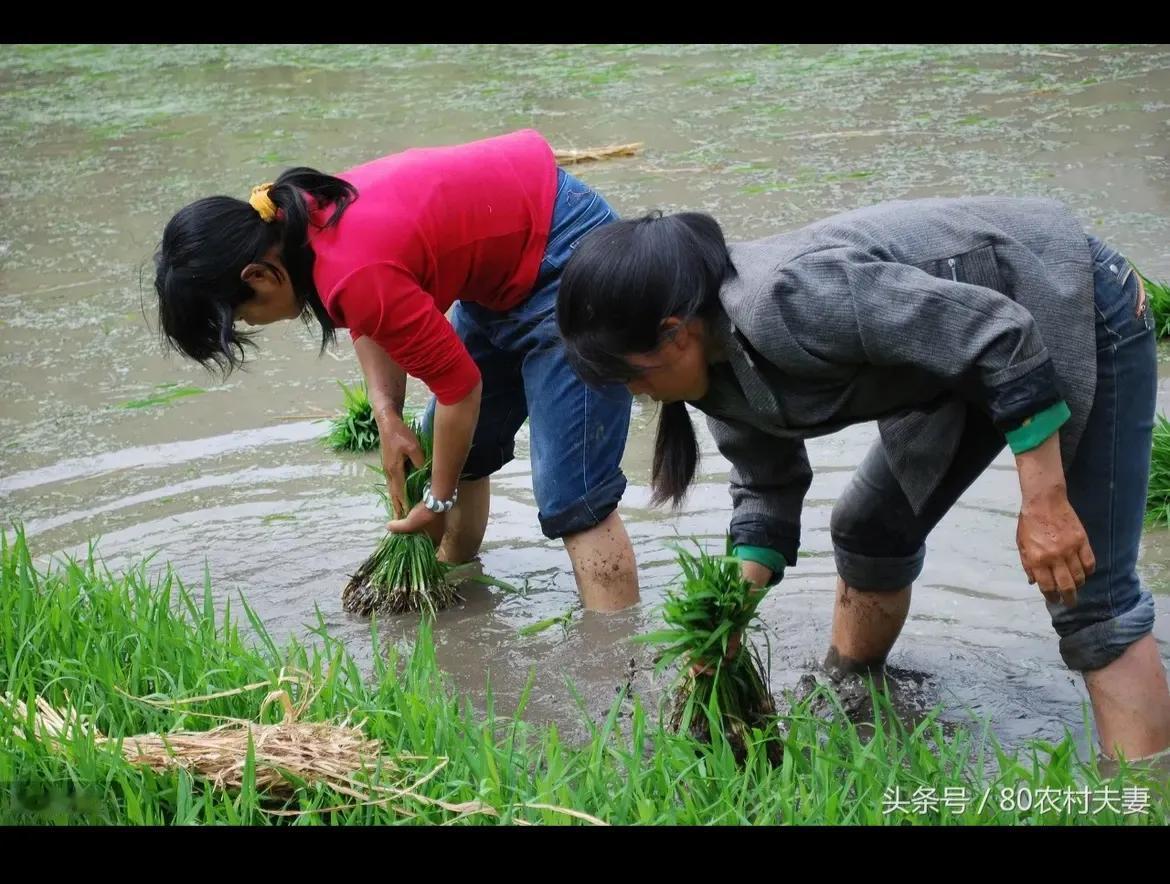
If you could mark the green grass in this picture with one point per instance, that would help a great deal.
(355, 428)
(164, 394)
(1158, 495)
(85, 638)
(1158, 294)
(563, 620)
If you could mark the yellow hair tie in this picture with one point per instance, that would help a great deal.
(262, 202)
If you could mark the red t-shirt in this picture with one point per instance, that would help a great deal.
(431, 226)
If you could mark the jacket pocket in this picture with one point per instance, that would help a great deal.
(976, 267)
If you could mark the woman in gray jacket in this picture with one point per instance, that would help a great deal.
(960, 326)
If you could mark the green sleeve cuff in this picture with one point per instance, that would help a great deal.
(769, 558)
(1037, 428)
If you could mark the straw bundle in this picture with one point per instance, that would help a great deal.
(593, 154)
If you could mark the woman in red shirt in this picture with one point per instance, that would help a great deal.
(385, 250)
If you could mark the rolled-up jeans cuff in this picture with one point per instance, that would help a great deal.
(878, 573)
(1097, 645)
(588, 511)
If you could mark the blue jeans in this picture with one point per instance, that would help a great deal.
(578, 434)
(879, 542)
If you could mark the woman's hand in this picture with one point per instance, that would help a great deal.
(1054, 548)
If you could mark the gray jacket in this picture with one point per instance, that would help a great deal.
(901, 313)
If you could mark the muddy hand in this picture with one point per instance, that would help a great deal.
(420, 520)
(758, 575)
(709, 668)
(1054, 548)
(398, 445)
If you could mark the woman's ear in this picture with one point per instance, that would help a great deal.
(673, 330)
(255, 274)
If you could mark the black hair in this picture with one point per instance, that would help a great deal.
(623, 282)
(206, 246)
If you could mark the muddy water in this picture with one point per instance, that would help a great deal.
(101, 144)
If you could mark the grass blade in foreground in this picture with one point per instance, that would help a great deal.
(138, 654)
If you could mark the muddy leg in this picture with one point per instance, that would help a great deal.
(467, 522)
(1131, 703)
(865, 627)
(603, 563)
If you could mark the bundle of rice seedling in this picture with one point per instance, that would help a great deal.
(404, 573)
(355, 428)
(722, 683)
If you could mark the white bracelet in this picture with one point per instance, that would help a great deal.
(435, 505)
